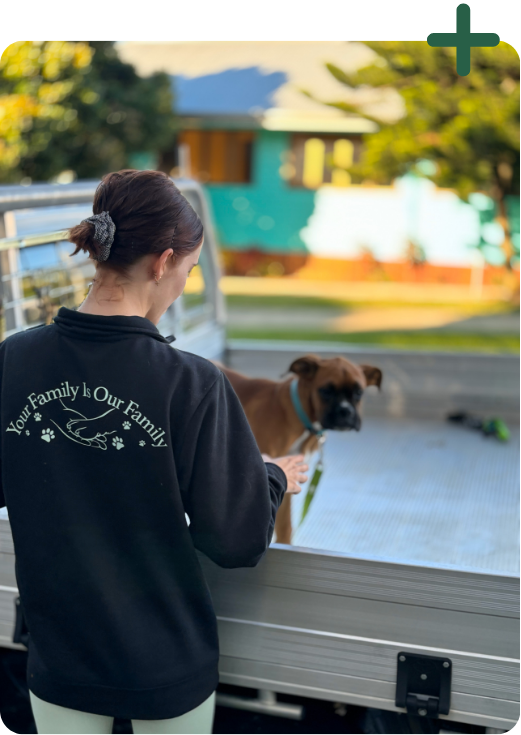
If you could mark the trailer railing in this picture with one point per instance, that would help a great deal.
(31, 295)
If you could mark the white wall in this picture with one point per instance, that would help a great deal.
(385, 218)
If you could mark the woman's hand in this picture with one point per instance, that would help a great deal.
(294, 468)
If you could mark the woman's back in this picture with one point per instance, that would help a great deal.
(109, 435)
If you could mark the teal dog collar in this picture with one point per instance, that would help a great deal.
(297, 405)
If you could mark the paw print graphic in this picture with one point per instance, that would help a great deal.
(117, 442)
(47, 435)
(126, 424)
(27, 432)
(142, 443)
(37, 416)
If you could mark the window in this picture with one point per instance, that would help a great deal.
(320, 159)
(217, 156)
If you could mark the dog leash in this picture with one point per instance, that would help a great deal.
(317, 474)
(319, 467)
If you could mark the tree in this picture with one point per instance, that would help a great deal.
(75, 106)
(465, 128)
(32, 87)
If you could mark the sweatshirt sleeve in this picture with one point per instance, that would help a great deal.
(229, 493)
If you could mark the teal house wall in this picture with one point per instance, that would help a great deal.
(267, 213)
(270, 215)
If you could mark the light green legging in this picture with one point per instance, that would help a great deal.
(53, 719)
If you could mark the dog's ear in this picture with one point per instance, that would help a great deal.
(373, 375)
(305, 367)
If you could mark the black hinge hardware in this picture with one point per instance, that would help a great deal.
(423, 684)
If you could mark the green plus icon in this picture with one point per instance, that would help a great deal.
(463, 39)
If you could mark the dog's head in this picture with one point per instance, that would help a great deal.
(337, 387)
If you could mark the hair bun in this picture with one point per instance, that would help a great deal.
(83, 236)
(151, 215)
(104, 230)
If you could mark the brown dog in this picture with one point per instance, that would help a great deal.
(330, 391)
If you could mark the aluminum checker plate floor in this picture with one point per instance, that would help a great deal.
(416, 492)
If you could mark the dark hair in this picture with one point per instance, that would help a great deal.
(150, 215)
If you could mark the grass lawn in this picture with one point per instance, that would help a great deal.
(410, 339)
(237, 301)
(433, 338)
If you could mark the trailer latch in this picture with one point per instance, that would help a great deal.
(423, 684)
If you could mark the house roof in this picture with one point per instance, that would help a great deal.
(263, 83)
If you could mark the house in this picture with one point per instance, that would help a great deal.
(259, 144)
(255, 128)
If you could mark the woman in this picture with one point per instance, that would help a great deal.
(110, 437)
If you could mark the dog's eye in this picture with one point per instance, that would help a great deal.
(327, 389)
(357, 393)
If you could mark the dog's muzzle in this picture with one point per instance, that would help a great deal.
(343, 417)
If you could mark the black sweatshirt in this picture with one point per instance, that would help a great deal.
(109, 436)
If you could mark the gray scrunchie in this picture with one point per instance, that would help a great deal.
(104, 229)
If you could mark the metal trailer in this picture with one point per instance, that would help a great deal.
(410, 548)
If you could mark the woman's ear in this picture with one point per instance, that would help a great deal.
(305, 367)
(373, 375)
